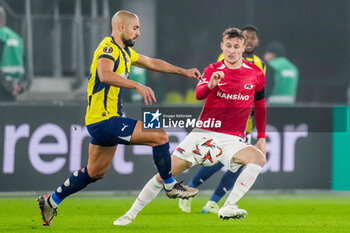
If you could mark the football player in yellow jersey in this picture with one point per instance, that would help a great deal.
(107, 127)
(229, 178)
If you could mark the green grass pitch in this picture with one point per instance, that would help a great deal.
(325, 212)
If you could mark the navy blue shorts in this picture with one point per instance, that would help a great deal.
(111, 132)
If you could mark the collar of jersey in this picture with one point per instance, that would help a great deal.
(123, 52)
(231, 70)
(113, 41)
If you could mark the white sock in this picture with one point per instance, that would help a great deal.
(243, 183)
(148, 193)
(169, 186)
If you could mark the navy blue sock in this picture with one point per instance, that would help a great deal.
(161, 157)
(76, 182)
(203, 174)
(226, 183)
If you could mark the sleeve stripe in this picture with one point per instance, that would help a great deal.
(107, 56)
(202, 82)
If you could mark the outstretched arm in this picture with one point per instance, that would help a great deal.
(165, 67)
(105, 72)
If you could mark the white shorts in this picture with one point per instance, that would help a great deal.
(230, 146)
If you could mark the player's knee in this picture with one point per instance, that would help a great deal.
(161, 138)
(259, 158)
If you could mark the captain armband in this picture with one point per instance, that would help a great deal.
(259, 95)
(107, 55)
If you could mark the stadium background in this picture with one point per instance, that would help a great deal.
(61, 36)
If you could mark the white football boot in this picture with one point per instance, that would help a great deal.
(48, 212)
(211, 207)
(231, 211)
(185, 205)
(123, 220)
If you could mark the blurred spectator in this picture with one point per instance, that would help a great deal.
(12, 78)
(282, 76)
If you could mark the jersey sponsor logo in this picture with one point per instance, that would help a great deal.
(220, 84)
(248, 86)
(108, 49)
(238, 96)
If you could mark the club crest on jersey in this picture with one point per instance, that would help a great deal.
(181, 150)
(108, 49)
(248, 86)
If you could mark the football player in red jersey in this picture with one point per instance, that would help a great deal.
(230, 88)
(229, 178)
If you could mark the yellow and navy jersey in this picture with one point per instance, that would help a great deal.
(255, 60)
(221, 57)
(105, 101)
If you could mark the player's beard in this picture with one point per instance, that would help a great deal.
(128, 43)
(250, 51)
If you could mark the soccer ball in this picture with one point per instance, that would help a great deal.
(207, 151)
